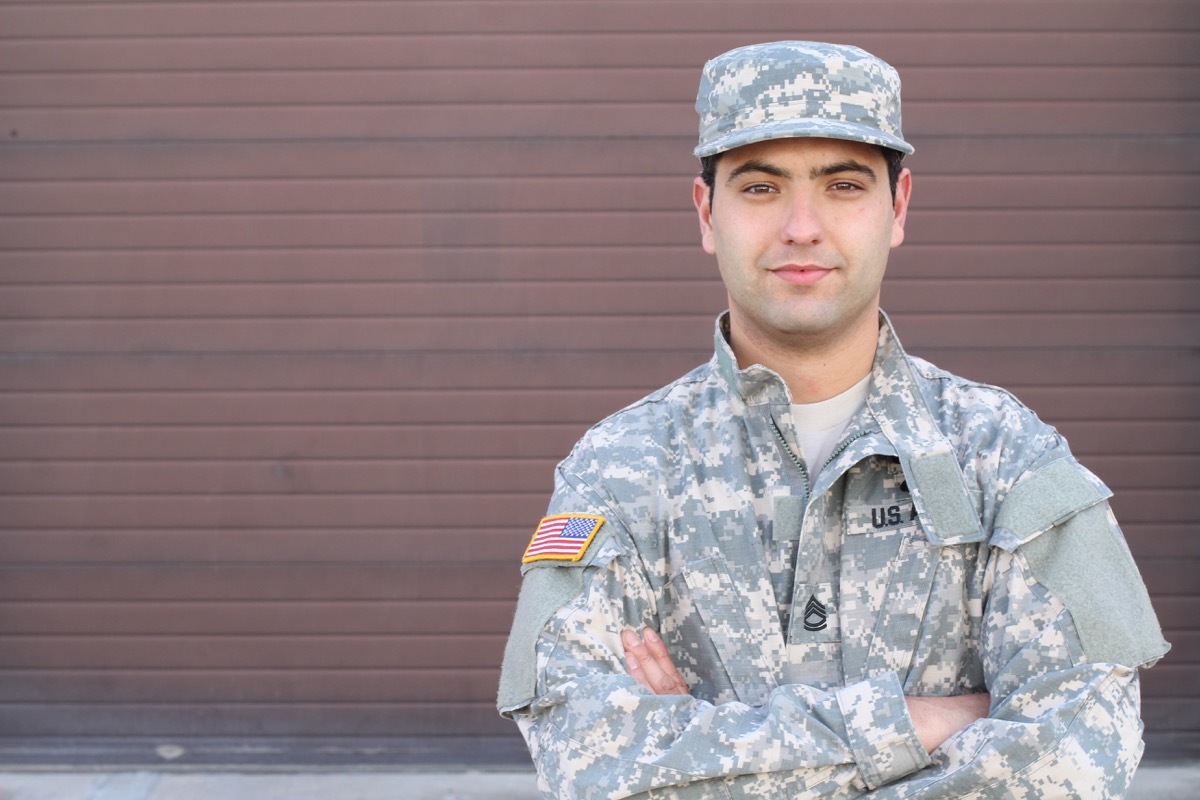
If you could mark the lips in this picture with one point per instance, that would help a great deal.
(801, 274)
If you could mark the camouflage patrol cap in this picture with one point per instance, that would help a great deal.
(782, 90)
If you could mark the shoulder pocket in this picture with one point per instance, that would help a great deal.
(548, 585)
(1057, 520)
(1085, 563)
(543, 592)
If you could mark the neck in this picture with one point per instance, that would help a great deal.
(813, 369)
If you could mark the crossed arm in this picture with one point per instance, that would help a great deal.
(935, 718)
(604, 725)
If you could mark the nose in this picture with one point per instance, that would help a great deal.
(802, 225)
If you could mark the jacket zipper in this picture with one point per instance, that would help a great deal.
(806, 485)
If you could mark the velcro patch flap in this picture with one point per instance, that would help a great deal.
(940, 493)
(1046, 498)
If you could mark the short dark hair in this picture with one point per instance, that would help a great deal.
(894, 159)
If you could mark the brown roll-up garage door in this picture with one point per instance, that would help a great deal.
(301, 302)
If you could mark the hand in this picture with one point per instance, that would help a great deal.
(650, 664)
(939, 718)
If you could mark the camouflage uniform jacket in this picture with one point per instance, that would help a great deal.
(951, 544)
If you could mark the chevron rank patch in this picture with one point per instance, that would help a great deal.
(563, 537)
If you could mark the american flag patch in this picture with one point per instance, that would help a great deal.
(564, 537)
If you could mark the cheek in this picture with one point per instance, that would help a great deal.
(875, 227)
(721, 238)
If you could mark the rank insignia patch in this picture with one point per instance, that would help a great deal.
(815, 615)
(563, 537)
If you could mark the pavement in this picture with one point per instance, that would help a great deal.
(1154, 781)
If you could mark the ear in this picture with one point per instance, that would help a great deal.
(703, 205)
(900, 205)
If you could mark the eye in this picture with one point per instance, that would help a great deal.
(845, 186)
(759, 188)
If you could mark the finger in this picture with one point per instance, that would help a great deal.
(629, 640)
(644, 668)
(658, 651)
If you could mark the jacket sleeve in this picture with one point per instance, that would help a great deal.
(1067, 622)
(594, 732)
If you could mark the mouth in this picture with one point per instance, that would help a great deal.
(801, 274)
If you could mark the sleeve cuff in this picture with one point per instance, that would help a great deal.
(880, 731)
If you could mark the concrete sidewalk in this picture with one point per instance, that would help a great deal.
(1154, 781)
(408, 785)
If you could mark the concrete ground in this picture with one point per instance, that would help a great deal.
(409, 785)
(1154, 781)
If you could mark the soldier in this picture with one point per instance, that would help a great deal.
(817, 566)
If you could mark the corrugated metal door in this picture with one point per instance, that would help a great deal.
(302, 301)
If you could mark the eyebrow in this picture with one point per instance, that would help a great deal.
(767, 168)
(849, 165)
(756, 165)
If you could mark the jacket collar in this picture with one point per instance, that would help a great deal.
(755, 385)
(758, 385)
(898, 405)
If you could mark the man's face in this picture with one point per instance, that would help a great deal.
(801, 229)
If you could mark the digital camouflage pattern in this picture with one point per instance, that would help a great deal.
(718, 537)
(794, 89)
